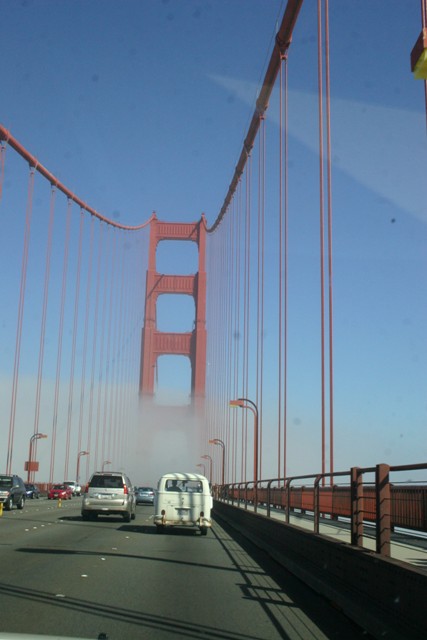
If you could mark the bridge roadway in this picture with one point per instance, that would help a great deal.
(65, 577)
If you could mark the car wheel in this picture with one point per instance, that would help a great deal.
(21, 502)
(8, 504)
(127, 517)
(85, 515)
(133, 516)
(203, 531)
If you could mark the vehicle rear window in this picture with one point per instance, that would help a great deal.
(187, 486)
(107, 482)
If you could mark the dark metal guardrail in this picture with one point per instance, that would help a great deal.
(369, 496)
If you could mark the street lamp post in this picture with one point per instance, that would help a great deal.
(206, 457)
(202, 465)
(35, 436)
(105, 463)
(245, 403)
(79, 455)
(221, 444)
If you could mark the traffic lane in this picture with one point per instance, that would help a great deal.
(243, 598)
(81, 578)
(39, 513)
(135, 584)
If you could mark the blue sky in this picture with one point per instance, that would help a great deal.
(143, 105)
(134, 82)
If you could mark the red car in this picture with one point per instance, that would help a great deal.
(60, 492)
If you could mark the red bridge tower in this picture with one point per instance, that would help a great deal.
(192, 344)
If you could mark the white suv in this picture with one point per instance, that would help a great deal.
(109, 493)
(76, 488)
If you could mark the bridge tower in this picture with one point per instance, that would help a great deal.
(191, 344)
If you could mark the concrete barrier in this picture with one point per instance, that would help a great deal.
(386, 597)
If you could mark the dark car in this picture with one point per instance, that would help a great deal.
(144, 495)
(32, 491)
(12, 492)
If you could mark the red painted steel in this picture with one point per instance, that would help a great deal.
(9, 139)
(383, 509)
(283, 41)
(404, 507)
(191, 344)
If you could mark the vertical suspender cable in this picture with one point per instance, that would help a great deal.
(285, 294)
(101, 331)
(110, 352)
(43, 323)
(85, 339)
(330, 274)
(261, 271)
(237, 330)
(94, 351)
(258, 301)
(248, 303)
(232, 355)
(123, 333)
(322, 228)
(24, 267)
(60, 337)
(280, 283)
(124, 428)
(73, 346)
(109, 278)
(232, 342)
(229, 279)
(283, 270)
(129, 319)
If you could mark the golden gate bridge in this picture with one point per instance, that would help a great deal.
(83, 289)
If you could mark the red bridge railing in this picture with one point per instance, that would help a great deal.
(369, 496)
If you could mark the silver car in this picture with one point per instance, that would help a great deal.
(144, 495)
(109, 493)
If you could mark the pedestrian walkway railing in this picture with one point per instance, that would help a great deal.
(374, 497)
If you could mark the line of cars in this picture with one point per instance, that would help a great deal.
(181, 499)
(64, 491)
(14, 491)
(112, 493)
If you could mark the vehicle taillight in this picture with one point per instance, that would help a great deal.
(86, 488)
(125, 490)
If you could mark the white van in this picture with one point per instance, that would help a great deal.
(183, 500)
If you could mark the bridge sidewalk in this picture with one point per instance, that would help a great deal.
(406, 547)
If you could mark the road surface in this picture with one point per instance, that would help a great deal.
(65, 577)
